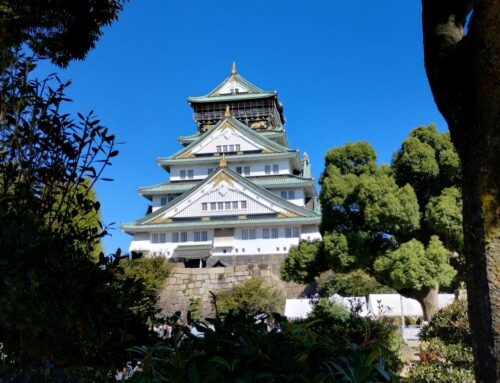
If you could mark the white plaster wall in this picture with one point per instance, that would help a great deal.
(258, 168)
(194, 208)
(299, 196)
(280, 245)
(199, 172)
(226, 137)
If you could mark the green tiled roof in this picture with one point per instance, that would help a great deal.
(273, 182)
(306, 213)
(231, 97)
(253, 91)
(242, 128)
(219, 223)
(166, 161)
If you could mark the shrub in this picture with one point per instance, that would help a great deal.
(446, 348)
(450, 324)
(251, 297)
(377, 334)
(241, 348)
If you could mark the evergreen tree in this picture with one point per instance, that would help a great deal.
(372, 219)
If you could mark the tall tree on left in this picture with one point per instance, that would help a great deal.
(61, 313)
(59, 30)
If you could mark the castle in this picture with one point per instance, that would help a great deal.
(237, 193)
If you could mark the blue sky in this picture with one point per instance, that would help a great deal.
(345, 71)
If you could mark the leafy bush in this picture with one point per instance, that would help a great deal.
(435, 371)
(251, 297)
(450, 324)
(446, 348)
(150, 273)
(246, 348)
(354, 283)
(377, 334)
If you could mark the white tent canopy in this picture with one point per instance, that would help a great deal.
(376, 305)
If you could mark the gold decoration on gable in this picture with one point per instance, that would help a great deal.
(188, 154)
(160, 220)
(287, 214)
(222, 177)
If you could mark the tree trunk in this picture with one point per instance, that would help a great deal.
(429, 301)
(464, 74)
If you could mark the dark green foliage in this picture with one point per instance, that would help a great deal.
(377, 334)
(150, 274)
(412, 266)
(252, 297)
(428, 162)
(61, 30)
(375, 217)
(353, 283)
(443, 216)
(450, 324)
(61, 312)
(242, 348)
(446, 348)
(300, 264)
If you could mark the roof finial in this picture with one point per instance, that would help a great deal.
(227, 113)
(233, 69)
(222, 161)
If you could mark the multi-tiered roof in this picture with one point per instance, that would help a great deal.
(237, 172)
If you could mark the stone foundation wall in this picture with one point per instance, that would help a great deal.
(184, 284)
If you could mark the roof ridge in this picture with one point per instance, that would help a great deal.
(270, 195)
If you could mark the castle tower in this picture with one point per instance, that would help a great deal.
(237, 193)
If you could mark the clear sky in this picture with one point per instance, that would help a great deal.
(345, 71)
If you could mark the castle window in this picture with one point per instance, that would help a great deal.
(163, 237)
(200, 236)
(283, 194)
(154, 238)
(288, 232)
(274, 232)
(244, 234)
(227, 205)
(291, 194)
(219, 149)
(184, 236)
(276, 169)
(265, 233)
(252, 234)
(231, 148)
(204, 206)
(220, 205)
(235, 204)
(237, 147)
(175, 237)
(213, 206)
(246, 170)
(190, 173)
(183, 174)
(238, 169)
(296, 232)
(210, 171)
(163, 201)
(267, 169)
(243, 204)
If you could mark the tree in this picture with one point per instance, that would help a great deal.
(371, 220)
(61, 311)
(417, 271)
(58, 30)
(462, 62)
